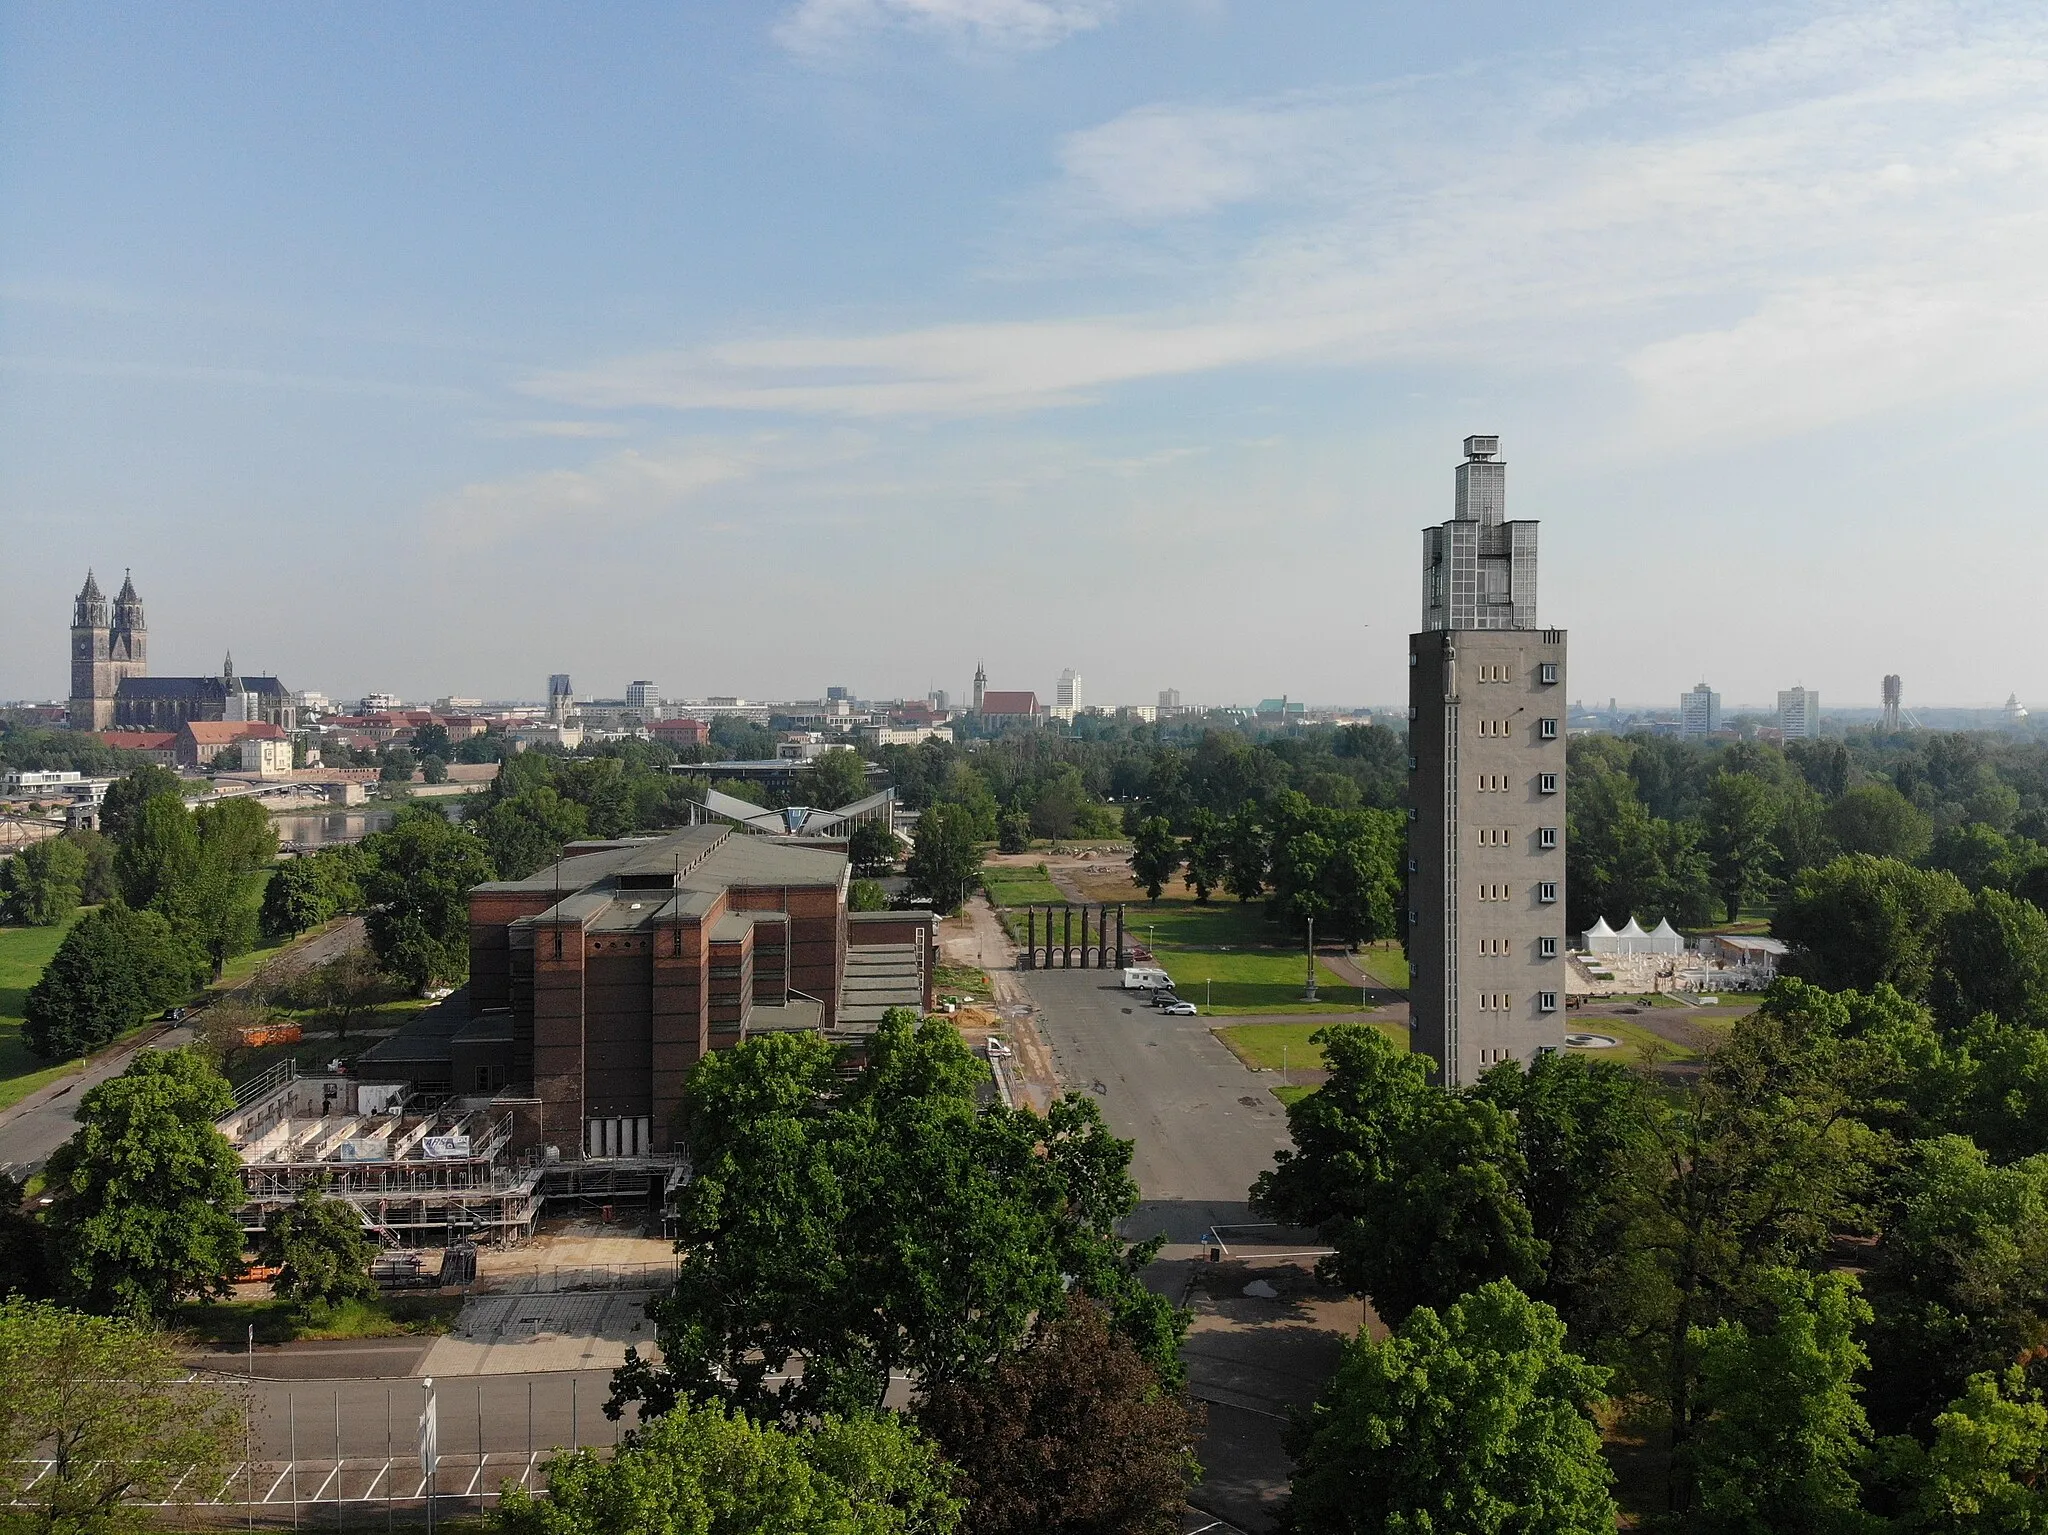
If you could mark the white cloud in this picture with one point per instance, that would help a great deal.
(1834, 221)
(624, 487)
(823, 27)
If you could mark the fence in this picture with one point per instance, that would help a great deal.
(346, 1455)
(599, 1276)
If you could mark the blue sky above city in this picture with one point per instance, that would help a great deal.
(758, 348)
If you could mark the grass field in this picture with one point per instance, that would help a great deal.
(1291, 1094)
(24, 951)
(962, 980)
(1010, 886)
(1185, 923)
(1386, 964)
(395, 1316)
(1274, 1046)
(1638, 1044)
(1258, 981)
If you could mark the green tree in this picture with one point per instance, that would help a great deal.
(111, 1407)
(40, 886)
(1207, 854)
(24, 1255)
(866, 895)
(881, 1225)
(114, 969)
(434, 769)
(1781, 1435)
(301, 896)
(1985, 1471)
(146, 1190)
(1741, 822)
(1476, 1419)
(873, 848)
(1878, 820)
(1861, 922)
(126, 796)
(1013, 832)
(1621, 861)
(159, 852)
(1247, 854)
(526, 832)
(431, 741)
(832, 779)
(220, 903)
(1415, 1188)
(1155, 854)
(418, 881)
(99, 885)
(1993, 959)
(395, 764)
(320, 1250)
(969, 791)
(701, 1470)
(1587, 1133)
(944, 856)
(1073, 1434)
(1960, 1284)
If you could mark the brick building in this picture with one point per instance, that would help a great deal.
(600, 981)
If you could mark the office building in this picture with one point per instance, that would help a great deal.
(642, 695)
(1699, 713)
(1169, 698)
(1487, 757)
(1798, 714)
(1067, 700)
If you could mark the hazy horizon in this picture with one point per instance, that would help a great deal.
(857, 340)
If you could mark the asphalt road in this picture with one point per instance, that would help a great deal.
(1204, 1125)
(41, 1122)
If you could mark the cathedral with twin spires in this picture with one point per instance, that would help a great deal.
(111, 688)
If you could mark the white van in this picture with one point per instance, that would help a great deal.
(1147, 978)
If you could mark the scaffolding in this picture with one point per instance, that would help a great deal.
(409, 1174)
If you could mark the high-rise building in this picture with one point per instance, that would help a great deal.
(561, 698)
(1798, 714)
(1169, 698)
(938, 699)
(1699, 713)
(642, 695)
(1067, 701)
(1487, 759)
(1893, 697)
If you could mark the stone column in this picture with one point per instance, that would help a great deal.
(1122, 957)
(1067, 938)
(1031, 941)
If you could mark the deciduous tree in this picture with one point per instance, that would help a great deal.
(114, 969)
(320, 1249)
(99, 1418)
(418, 882)
(40, 886)
(1476, 1419)
(701, 1470)
(1862, 921)
(1155, 854)
(1071, 1435)
(126, 796)
(832, 779)
(147, 1189)
(944, 856)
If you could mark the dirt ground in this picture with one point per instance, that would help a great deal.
(975, 937)
(566, 1244)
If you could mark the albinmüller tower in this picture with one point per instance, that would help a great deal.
(1486, 742)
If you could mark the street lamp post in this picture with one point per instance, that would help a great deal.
(1206, 984)
(1310, 994)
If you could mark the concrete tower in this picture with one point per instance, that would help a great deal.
(1892, 699)
(1486, 744)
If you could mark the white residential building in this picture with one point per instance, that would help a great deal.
(1699, 712)
(1067, 701)
(1798, 714)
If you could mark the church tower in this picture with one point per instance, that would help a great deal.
(105, 647)
(980, 684)
(92, 686)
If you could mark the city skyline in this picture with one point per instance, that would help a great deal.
(923, 319)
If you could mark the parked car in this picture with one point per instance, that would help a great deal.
(1181, 1010)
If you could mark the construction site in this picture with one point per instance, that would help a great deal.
(466, 1170)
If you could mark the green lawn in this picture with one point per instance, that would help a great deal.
(1386, 964)
(1274, 1046)
(1637, 1043)
(394, 1316)
(1255, 981)
(962, 980)
(1183, 922)
(1016, 886)
(24, 951)
(1291, 1095)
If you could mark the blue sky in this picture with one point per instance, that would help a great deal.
(752, 348)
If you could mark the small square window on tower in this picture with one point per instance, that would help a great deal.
(1547, 729)
(1548, 672)
(1547, 891)
(1546, 1001)
(1546, 948)
(1546, 836)
(1546, 783)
